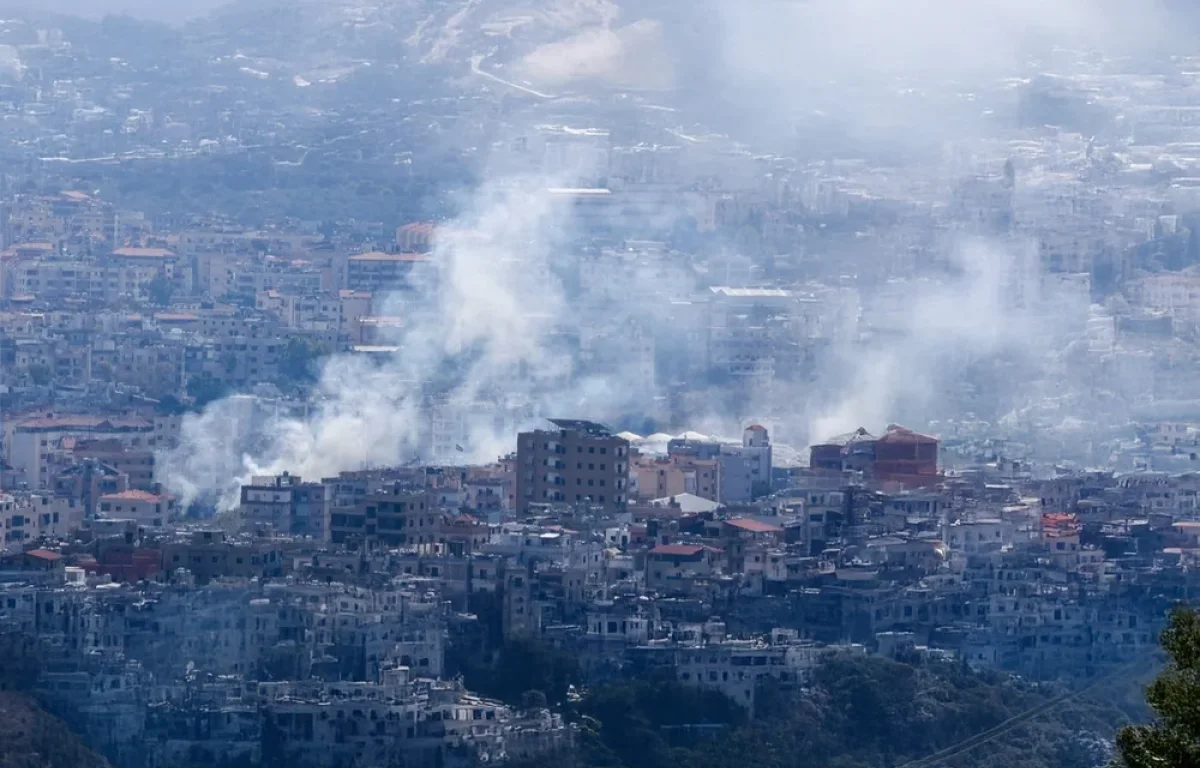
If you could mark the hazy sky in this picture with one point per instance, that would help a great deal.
(158, 10)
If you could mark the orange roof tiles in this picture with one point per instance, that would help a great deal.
(753, 526)
(678, 550)
(81, 421)
(135, 495)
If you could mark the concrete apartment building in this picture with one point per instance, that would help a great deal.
(26, 517)
(29, 442)
(578, 462)
(153, 510)
(379, 272)
(658, 477)
(285, 503)
(397, 515)
(136, 464)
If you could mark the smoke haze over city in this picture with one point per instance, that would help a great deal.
(598, 383)
(494, 336)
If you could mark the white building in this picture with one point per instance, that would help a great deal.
(28, 517)
(29, 442)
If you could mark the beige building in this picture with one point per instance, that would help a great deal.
(660, 477)
(1176, 294)
(152, 510)
(29, 442)
(378, 272)
(415, 237)
(28, 517)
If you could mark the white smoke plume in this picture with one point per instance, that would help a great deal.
(934, 322)
(483, 325)
(996, 320)
(497, 327)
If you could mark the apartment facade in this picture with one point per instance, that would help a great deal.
(576, 462)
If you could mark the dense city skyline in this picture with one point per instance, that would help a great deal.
(592, 383)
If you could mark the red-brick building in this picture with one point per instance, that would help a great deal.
(899, 456)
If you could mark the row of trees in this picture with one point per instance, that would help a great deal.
(1172, 740)
(862, 712)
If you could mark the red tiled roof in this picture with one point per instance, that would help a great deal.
(678, 550)
(135, 495)
(753, 526)
(44, 554)
(898, 434)
(80, 421)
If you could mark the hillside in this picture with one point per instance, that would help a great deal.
(30, 737)
(857, 712)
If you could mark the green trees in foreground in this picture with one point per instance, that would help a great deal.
(1173, 739)
(855, 712)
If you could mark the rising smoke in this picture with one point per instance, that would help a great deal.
(993, 311)
(496, 337)
(487, 337)
(165, 11)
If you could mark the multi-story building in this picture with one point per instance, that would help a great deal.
(415, 236)
(737, 668)
(899, 456)
(396, 515)
(29, 442)
(285, 504)
(212, 554)
(136, 464)
(125, 273)
(153, 510)
(27, 517)
(379, 272)
(579, 462)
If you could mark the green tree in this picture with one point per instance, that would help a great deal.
(1173, 739)
(160, 290)
(169, 405)
(39, 374)
(522, 667)
(299, 361)
(204, 390)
